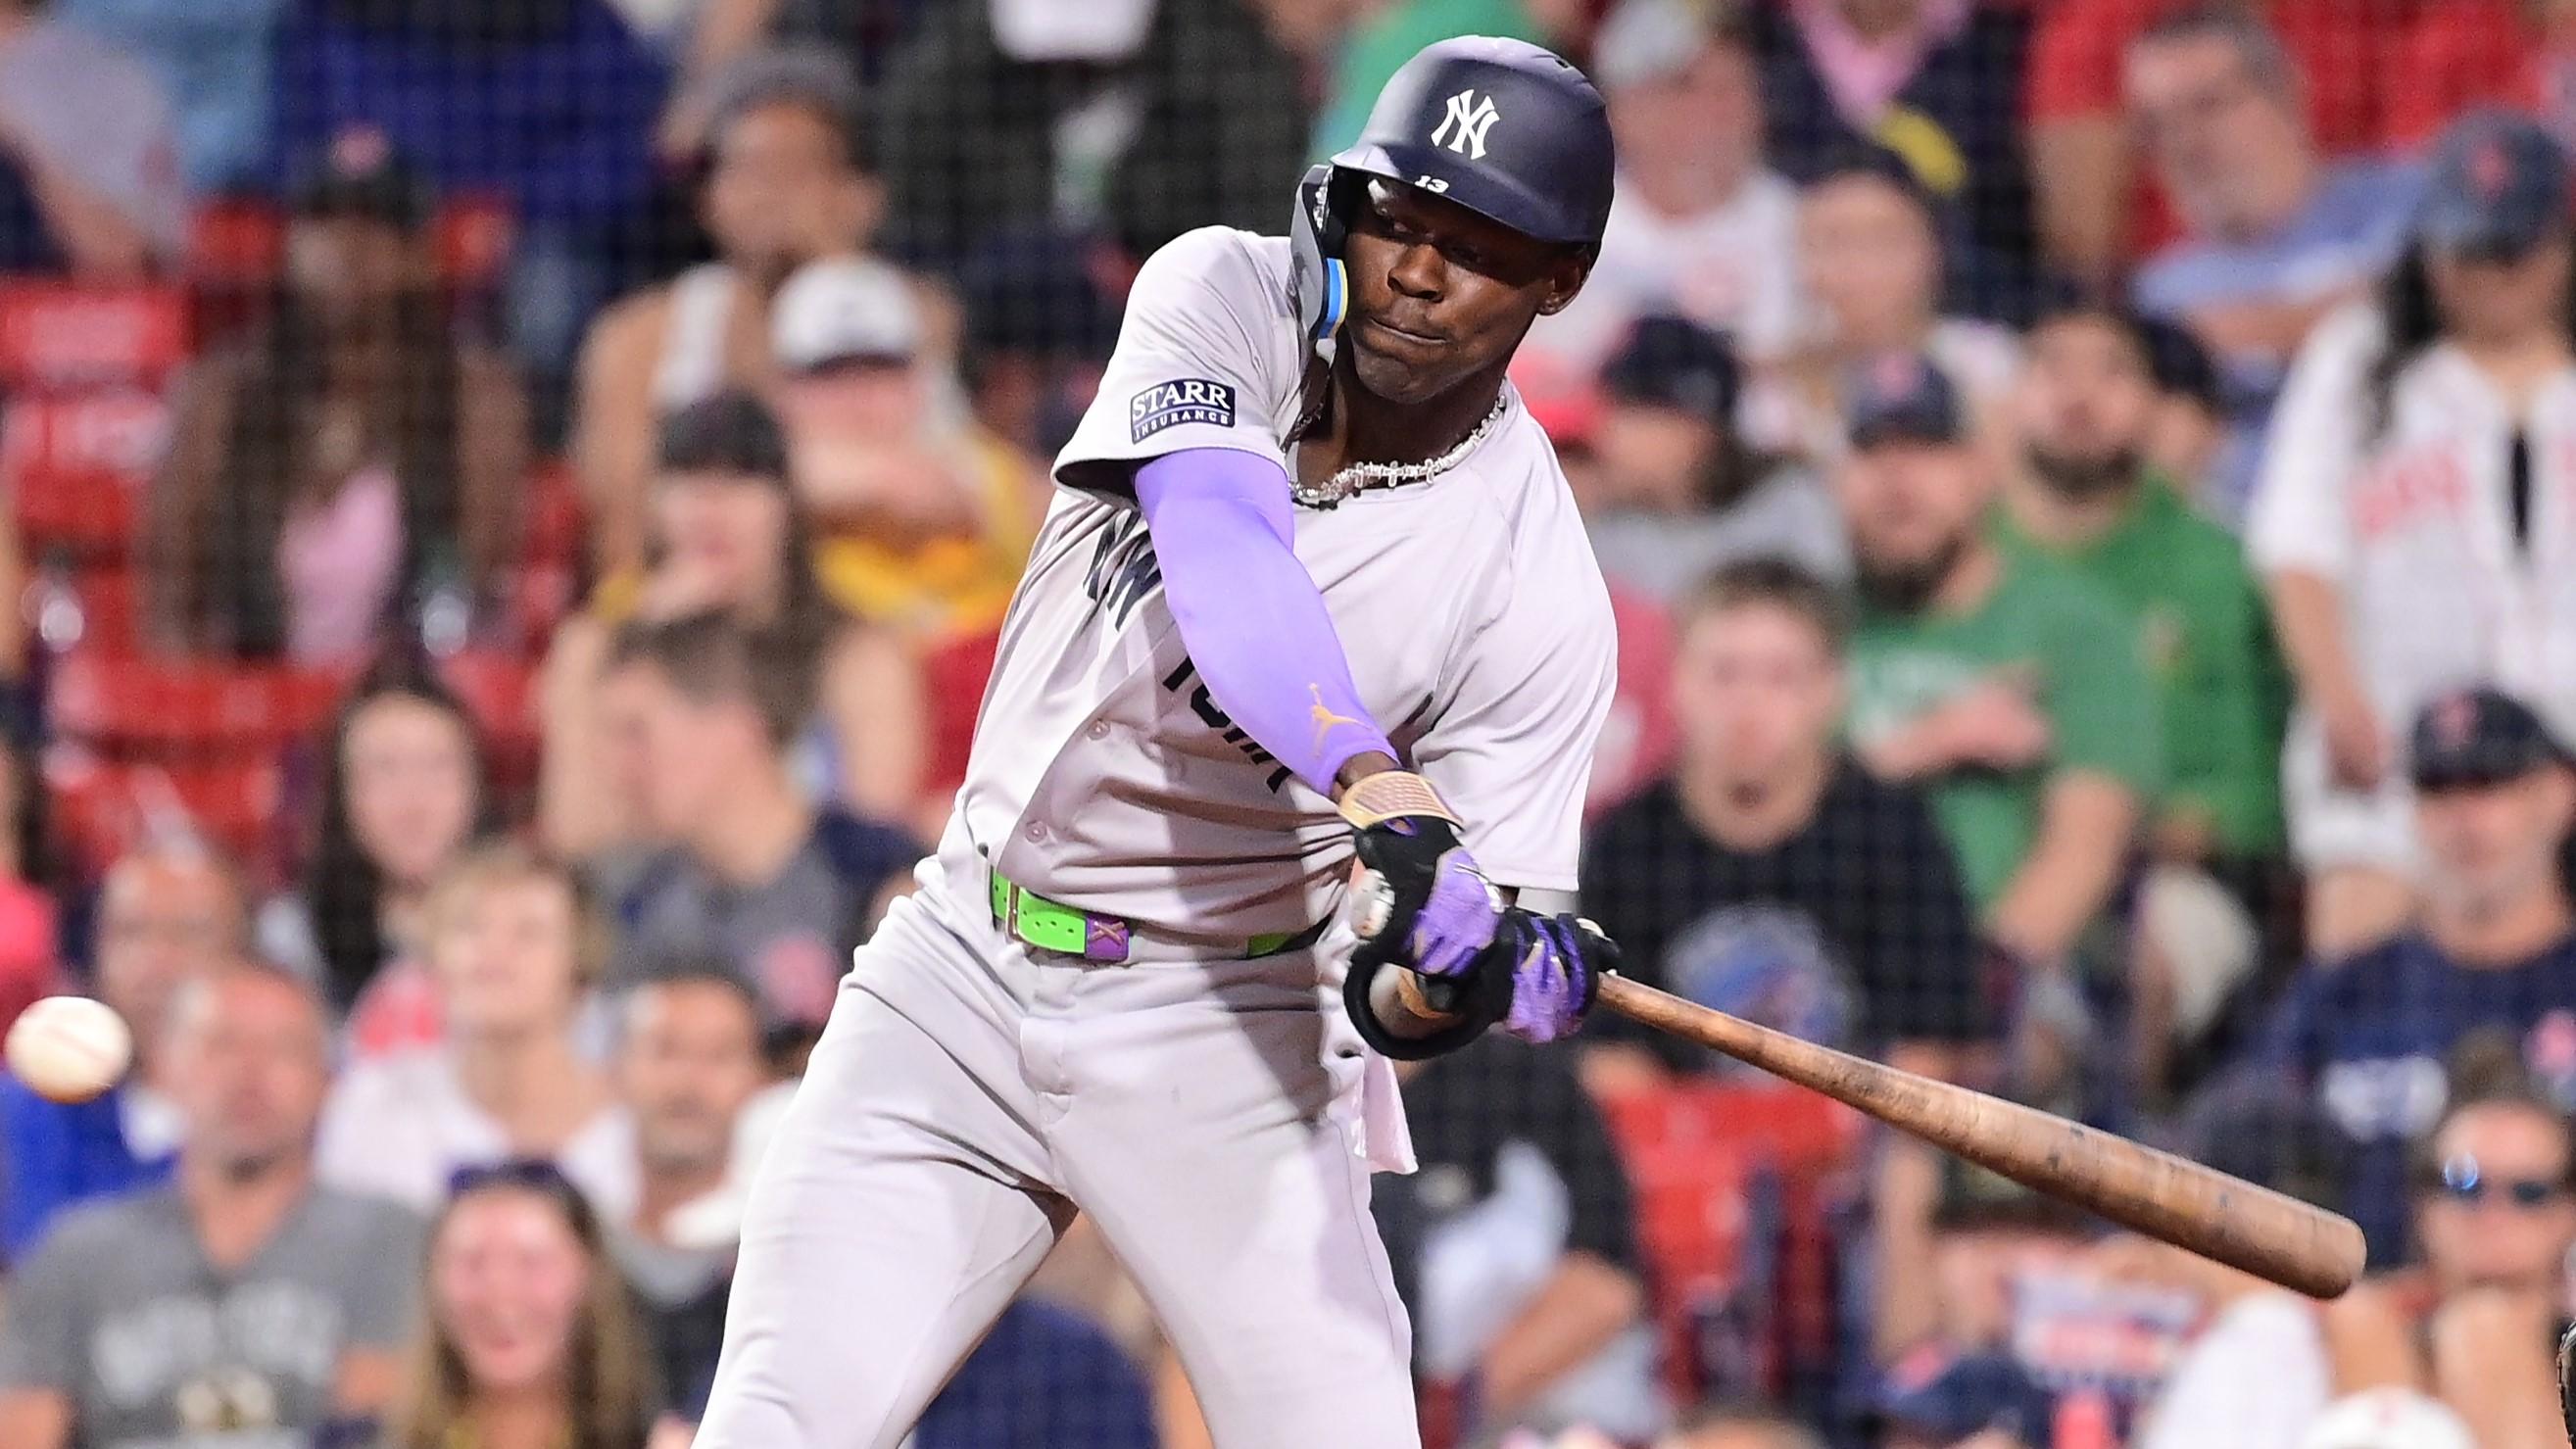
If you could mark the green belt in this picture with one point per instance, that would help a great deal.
(1054, 926)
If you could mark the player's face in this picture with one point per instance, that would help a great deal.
(782, 191)
(724, 536)
(1756, 691)
(1910, 507)
(1440, 294)
(2085, 406)
(507, 1280)
(2488, 847)
(1869, 259)
(2497, 1233)
(248, 1064)
(504, 956)
(690, 1060)
(2488, 299)
(408, 771)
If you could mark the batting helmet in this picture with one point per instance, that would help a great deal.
(1501, 127)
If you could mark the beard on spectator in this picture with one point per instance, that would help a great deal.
(1906, 586)
(2082, 477)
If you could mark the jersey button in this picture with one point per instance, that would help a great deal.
(1099, 729)
(1034, 830)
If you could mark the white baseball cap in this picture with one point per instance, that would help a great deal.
(844, 309)
(2387, 1418)
(1089, 30)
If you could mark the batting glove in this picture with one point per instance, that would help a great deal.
(1420, 902)
(1555, 964)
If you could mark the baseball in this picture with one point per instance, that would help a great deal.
(69, 1049)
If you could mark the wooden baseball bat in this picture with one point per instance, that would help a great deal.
(2265, 1233)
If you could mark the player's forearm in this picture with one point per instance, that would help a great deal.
(1253, 620)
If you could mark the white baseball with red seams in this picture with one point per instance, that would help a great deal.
(70, 1049)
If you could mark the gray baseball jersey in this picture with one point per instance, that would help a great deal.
(970, 1090)
(1475, 620)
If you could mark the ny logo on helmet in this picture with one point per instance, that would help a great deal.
(1471, 116)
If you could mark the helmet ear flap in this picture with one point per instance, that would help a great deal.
(1317, 283)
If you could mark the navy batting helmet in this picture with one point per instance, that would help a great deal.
(1501, 127)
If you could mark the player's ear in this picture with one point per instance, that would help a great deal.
(1564, 280)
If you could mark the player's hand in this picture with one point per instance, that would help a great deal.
(1555, 964)
(1420, 901)
(2356, 745)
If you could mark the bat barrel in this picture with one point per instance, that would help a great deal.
(2230, 1220)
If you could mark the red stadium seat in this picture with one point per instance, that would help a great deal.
(953, 675)
(142, 704)
(472, 235)
(76, 464)
(101, 808)
(56, 335)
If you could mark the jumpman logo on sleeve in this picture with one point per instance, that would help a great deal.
(1324, 717)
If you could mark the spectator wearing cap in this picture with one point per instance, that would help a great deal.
(89, 165)
(2495, 1212)
(1769, 874)
(1875, 263)
(352, 459)
(787, 182)
(2274, 235)
(1677, 490)
(730, 534)
(1700, 227)
(549, 105)
(1927, 80)
(2494, 948)
(2003, 684)
(756, 875)
(238, 1304)
(2409, 522)
(925, 520)
(165, 914)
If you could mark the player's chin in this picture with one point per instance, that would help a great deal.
(1397, 380)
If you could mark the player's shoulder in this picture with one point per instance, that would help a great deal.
(1238, 265)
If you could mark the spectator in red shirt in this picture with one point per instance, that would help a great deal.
(2086, 182)
(2519, 54)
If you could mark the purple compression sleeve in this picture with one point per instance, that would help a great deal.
(1251, 615)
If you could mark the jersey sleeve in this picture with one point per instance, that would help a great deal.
(1511, 750)
(2298, 519)
(1195, 365)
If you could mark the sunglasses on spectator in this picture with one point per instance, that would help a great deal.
(2462, 1180)
(532, 1174)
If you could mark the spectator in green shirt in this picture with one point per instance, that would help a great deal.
(2086, 497)
(2003, 683)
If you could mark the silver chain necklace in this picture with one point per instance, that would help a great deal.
(1359, 477)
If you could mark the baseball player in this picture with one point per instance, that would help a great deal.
(1314, 590)
(2412, 511)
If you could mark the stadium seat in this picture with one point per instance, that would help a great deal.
(76, 464)
(953, 675)
(103, 807)
(59, 335)
(142, 705)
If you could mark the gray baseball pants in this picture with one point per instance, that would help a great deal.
(968, 1096)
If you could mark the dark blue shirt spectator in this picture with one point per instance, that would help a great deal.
(549, 102)
(2372, 1035)
(1043, 1379)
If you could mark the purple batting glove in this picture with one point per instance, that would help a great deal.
(1457, 920)
(1558, 961)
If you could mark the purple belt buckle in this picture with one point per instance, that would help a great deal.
(1103, 939)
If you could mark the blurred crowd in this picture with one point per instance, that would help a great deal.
(513, 503)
